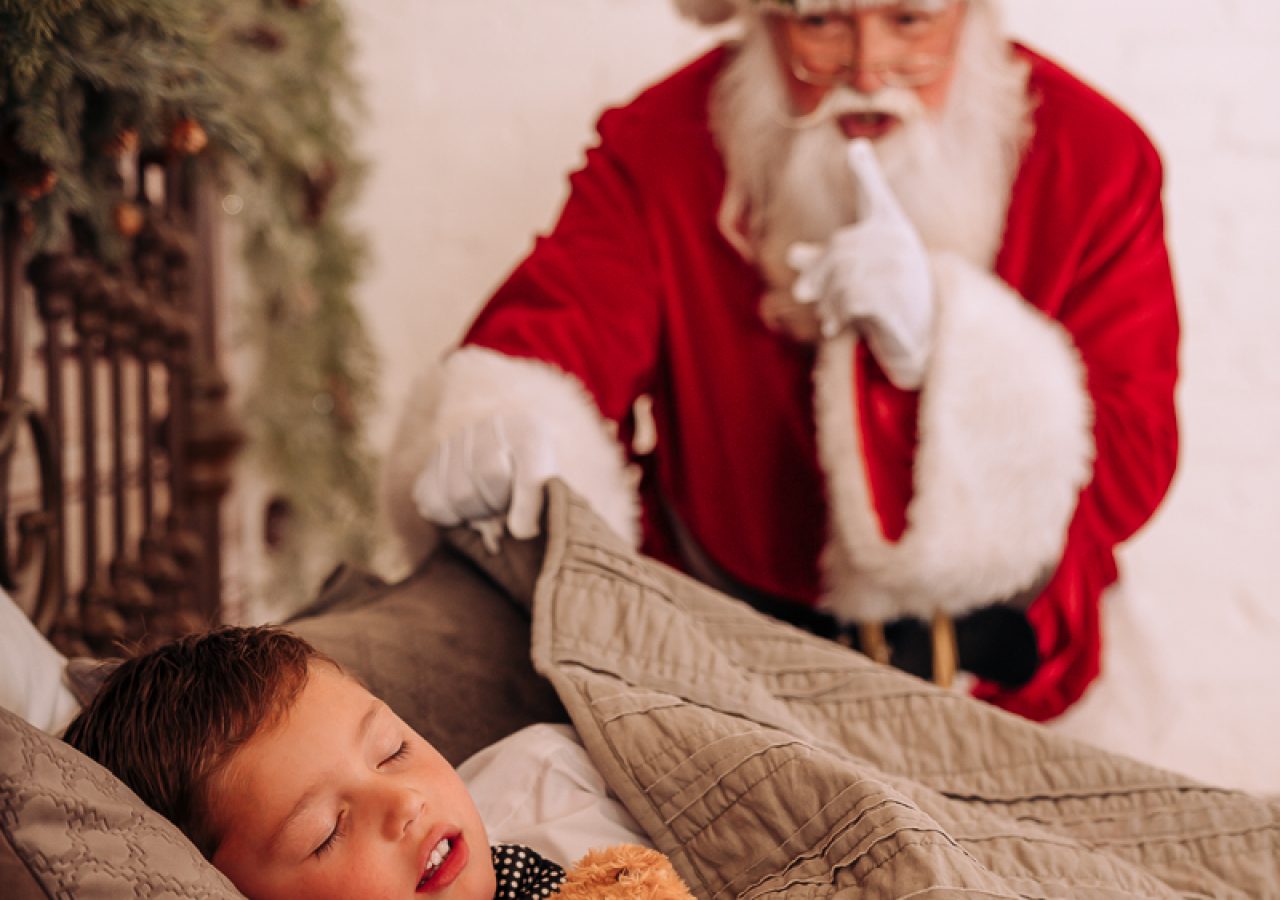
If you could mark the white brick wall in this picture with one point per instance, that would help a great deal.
(478, 109)
(1203, 616)
(1200, 75)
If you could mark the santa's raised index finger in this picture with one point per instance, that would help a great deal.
(876, 193)
(802, 255)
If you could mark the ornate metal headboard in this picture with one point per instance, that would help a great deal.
(115, 439)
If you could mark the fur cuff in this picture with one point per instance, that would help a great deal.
(474, 383)
(1005, 446)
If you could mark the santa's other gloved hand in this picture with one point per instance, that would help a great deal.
(873, 275)
(492, 469)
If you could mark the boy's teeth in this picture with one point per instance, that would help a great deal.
(437, 856)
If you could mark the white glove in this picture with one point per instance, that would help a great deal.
(873, 275)
(492, 467)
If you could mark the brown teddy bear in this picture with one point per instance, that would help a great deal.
(623, 872)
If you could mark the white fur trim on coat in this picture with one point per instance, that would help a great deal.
(1005, 446)
(474, 383)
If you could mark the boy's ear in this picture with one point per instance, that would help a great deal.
(85, 675)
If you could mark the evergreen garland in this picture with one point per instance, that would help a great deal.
(268, 84)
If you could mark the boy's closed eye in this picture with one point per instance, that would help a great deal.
(331, 839)
(335, 834)
(401, 752)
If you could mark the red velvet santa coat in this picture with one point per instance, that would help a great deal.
(637, 292)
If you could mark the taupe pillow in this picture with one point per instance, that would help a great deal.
(69, 828)
(445, 648)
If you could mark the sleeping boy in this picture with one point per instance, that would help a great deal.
(293, 779)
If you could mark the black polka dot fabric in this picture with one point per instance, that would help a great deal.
(524, 874)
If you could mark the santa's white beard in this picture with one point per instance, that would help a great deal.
(951, 169)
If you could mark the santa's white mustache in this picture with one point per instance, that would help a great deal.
(901, 103)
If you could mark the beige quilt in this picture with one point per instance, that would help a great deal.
(767, 762)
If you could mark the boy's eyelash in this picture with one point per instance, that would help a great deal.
(328, 842)
(401, 751)
(333, 837)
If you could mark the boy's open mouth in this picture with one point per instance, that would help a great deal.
(437, 858)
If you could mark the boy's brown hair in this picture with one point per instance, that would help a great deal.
(166, 722)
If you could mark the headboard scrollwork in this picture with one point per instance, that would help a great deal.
(115, 436)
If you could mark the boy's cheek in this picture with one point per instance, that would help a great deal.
(488, 882)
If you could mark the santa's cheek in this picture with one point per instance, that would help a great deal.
(805, 98)
(808, 98)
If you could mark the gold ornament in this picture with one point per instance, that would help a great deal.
(187, 138)
(128, 218)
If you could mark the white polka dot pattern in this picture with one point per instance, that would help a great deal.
(523, 874)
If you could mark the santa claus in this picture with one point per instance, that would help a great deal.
(897, 295)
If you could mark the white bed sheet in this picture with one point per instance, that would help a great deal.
(31, 682)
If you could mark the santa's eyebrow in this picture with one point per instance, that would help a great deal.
(930, 6)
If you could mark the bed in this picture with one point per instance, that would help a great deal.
(762, 760)
(116, 440)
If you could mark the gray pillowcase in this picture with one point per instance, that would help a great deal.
(69, 828)
(446, 649)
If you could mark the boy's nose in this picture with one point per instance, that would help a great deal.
(403, 807)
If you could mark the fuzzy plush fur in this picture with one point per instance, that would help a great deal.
(1005, 446)
(474, 383)
(623, 872)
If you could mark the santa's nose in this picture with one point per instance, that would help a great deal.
(869, 49)
(864, 80)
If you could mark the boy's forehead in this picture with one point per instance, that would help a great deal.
(328, 697)
(325, 722)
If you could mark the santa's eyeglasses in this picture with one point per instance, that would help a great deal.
(915, 45)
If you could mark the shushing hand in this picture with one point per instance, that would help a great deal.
(874, 276)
